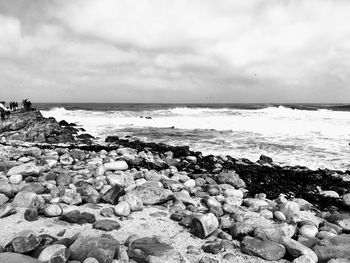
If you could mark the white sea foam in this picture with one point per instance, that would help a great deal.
(316, 138)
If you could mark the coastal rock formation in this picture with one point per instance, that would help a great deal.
(31, 126)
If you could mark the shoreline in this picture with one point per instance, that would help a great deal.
(228, 205)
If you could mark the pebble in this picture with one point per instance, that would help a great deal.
(53, 210)
(31, 214)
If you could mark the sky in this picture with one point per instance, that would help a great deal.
(175, 51)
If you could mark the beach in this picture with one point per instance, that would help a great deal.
(116, 199)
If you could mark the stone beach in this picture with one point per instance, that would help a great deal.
(65, 197)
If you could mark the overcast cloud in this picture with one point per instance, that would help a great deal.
(175, 51)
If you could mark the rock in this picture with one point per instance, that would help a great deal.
(78, 218)
(255, 203)
(344, 224)
(275, 232)
(7, 210)
(107, 212)
(116, 166)
(87, 192)
(153, 195)
(346, 200)
(232, 178)
(213, 247)
(112, 195)
(141, 248)
(290, 209)
(330, 194)
(266, 249)
(279, 216)
(122, 209)
(100, 170)
(91, 260)
(208, 260)
(9, 257)
(333, 247)
(63, 179)
(37, 188)
(190, 183)
(265, 159)
(25, 241)
(66, 159)
(303, 259)
(106, 225)
(122, 178)
(16, 179)
(308, 230)
(3, 199)
(103, 248)
(54, 253)
(27, 169)
(28, 199)
(31, 214)
(296, 249)
(53, 210)
(71, 197)
(6, 188)
(203, 225)
(133, 200)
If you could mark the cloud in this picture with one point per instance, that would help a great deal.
(235, 51)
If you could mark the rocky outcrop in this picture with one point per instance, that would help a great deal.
(31, 126)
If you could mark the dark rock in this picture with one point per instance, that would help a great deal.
(78, 218)
(176, 217)
(265, 159)
(31, 214)
(213, 247)
(63, 123)
(112, 195)
(61, 233)
(106, 225)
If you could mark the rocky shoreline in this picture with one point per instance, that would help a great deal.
(66, 198)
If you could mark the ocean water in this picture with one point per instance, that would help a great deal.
(312, 135)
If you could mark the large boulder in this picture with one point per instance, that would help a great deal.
(103, 248)
(297, 249)
(265, 249)
(29, 200)
(25, 241)
(54, 253)
(26, 169)
(275, 232)
(151, 247)
(9, 257)
(333, 247)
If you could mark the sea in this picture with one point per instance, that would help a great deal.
(311, 135)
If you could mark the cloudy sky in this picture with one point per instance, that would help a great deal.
(175, 50)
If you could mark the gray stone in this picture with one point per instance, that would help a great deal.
(265, 249)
